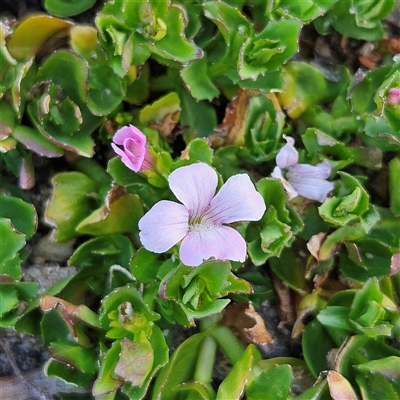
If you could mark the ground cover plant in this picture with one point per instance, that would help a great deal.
(209, 160)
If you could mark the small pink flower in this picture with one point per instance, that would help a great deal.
(135, 153)
(199, 221)
(305, 180)
(393, 98)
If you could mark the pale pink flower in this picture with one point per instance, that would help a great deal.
(305, 180)
(199, 222)
(134, 153)
(393, 97)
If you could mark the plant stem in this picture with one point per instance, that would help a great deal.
(205, 361)
(228, 341)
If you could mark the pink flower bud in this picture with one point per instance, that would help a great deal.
(393, 98)
(134, 153)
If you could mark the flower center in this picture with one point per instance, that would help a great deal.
(201, 224)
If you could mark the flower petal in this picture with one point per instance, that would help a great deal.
(287, 155)
(194, 185)
(277, 174)
(164, 225)
(129, 132)
(125, 159)
(134, 143)
(237, 200)
(310, 181)
(220, 242)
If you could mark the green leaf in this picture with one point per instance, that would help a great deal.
(22, 215)
(366, 258)
(66, 72)
(103, 251)
(369, 292)
(264, 125)
(199, 116)
(8, 120)
(335, 317)
(71, 202)
(197, 150)
(198, 291)
(349, 202)
(180, 368)
(269, 236)
(121, 295)
(161, 352)
(234, 384)
(63, 371)
(388, 367)
(68, 8)
(270, 49)
(316, 344)
(359, 19)
(76, 357)
(174, 45)
(145, 265)
(12, 295)
(156, 112)
(318, 142)
(228, 18)
(319, 391)
(135, 361)
(359, 349)
(107, 381)
(374, 385)
(203, 89)
(394, 187)
(297, 96)
(32, 32)
(306, 10)
(9, 299)
(272, 383)
(194, 390)
(35, 141)
(288, 268)
(11, 243)
(119, 216)
(106, 90)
